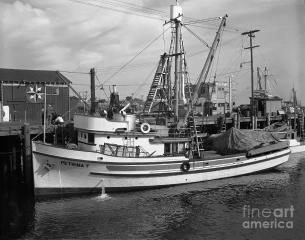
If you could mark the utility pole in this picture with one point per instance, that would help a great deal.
(230, 94)
(251, 35)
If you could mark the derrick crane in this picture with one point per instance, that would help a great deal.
(205, 70)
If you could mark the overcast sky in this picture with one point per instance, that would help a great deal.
(69, 36)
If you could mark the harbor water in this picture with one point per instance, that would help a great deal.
(220, 209)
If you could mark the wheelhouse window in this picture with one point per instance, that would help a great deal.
(91, 138)
(175, 148)
(167, 148)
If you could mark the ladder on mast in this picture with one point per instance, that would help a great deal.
(161, 80)
(156, 84)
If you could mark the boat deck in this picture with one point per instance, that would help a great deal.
(210, 155)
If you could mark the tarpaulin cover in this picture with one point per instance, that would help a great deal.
(277, 127)
(240, 141)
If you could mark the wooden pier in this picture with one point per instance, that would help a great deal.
(16, 155)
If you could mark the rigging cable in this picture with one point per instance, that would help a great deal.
(142, 9)
(195, 35)
(204, 20)
(163, 38)
(230, 65)
(213, 28)
(134, 57)
(102, 86)
(146, 79)
(66, 71)
(111, 69)
(118, 10)
(134, 9)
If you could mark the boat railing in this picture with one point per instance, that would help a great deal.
(180, 133)
(123, 151)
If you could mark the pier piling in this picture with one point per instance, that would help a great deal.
(27, 157)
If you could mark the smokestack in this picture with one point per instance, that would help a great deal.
(92, 85)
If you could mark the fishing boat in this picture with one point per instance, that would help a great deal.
(116, 153)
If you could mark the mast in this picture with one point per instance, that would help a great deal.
(294, 109)
(265, 78)
(176, 17)
(92, 87)
(259, 79)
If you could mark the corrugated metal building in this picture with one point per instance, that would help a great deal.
(22, 94)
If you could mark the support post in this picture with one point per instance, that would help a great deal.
(238, 120)
(230, 94)
(235, 120)
(45, 112)
(255, 122)
(27, 156)
(69, 104)
(1, 102)
(302, 125)
(92, 85)
(268, 119)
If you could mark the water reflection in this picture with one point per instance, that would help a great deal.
(17, 213)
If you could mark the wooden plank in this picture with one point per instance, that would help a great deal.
(14, 128)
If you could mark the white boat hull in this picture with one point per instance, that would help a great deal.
(59, 170)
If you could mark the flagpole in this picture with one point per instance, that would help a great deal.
(44, 112)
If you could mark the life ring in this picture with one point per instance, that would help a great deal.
(145, 128)
(185, 166)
